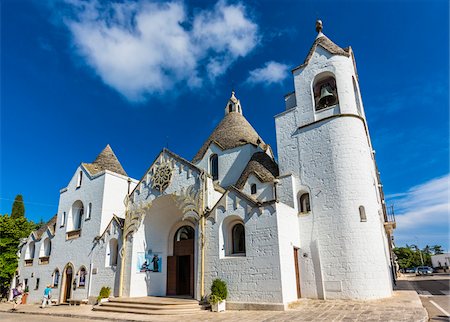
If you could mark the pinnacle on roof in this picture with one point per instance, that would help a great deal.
(106, 160)
(233, 104)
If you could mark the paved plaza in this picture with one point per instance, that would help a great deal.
(403, 306)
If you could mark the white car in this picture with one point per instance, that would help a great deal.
(424, 270)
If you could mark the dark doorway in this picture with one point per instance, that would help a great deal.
(67, 284)
(180, 266)
(297, 272)
(183, 275)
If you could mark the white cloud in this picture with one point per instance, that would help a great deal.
(423, 210)
(271, 73)
(141, 48)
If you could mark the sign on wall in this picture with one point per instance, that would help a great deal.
(149, 262)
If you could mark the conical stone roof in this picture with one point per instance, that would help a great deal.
(234, 130)
(262, 165)
(106, 160)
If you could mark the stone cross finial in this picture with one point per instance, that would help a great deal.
(319, 26)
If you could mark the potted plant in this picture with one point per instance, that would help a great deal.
(25, 295)
(104, 294)
(219, 294)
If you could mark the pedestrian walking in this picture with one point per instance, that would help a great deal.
(47, 296)
(17, 296)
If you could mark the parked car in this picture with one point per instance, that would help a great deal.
(410, 270)
(424, 270)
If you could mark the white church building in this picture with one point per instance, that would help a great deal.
(312, 224)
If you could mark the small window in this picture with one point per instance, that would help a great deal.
(25, 283)
(80, 179)
(89, 211)
(82, 277)
(325, 92)
(55, 278)
(238, 239)
(362, 214)
(230, 108)
(253, 189)
(357, 99)
(214, 166)
(304, 201)
(37, 284)
(63, 219)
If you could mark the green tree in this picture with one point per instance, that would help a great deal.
(11, 231)
(437, 249)
(410, 256)
(18, 208)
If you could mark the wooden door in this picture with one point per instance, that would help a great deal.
(297, 272)
(68, 284)
(171, 275)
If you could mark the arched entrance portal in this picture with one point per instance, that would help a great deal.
(66, 285)
(180, 266)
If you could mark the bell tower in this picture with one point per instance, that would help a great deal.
(324, 152)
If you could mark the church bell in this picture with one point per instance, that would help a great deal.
(326, 96)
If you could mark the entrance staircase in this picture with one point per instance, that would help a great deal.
(150, 305)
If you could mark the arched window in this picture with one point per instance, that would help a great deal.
(238, 239)
(77, 213)
(253, 189)
(111, 252)
(184, 233)
(46, 248)
(362, 214)
(214, 166)
(304, 203)
(325, 91)
(230, 108)
(55, 280)
(29, 253)
(82, 277)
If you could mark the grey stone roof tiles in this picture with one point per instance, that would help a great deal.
(234, 130)
(106, 160)
(38, 233)
(261, 165)
(328, 45)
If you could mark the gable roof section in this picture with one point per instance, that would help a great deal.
(120, 223)
(48, 225)
(171, 155)
(234, 130)
(106, 160)
(324, 42)
(262, 166)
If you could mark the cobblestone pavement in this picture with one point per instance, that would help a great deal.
(403, 306)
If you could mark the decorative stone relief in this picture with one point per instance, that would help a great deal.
(188, 201)
(162, 177)
(135, 215)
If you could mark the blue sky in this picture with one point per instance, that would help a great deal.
(77, 75)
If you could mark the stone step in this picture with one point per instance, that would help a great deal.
(153, 300)
(132, 310)
(147, 306)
